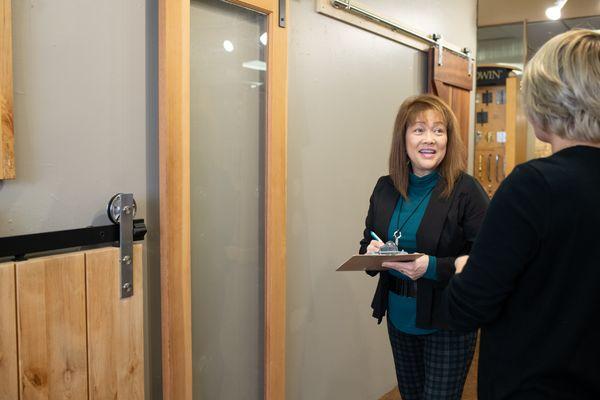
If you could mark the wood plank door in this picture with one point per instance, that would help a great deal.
(452, 81)
(222, 152)
(65, 332)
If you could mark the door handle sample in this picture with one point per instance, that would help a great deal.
(497, 166)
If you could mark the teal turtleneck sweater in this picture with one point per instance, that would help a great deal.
(408, 214)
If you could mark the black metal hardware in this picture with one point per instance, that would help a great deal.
(282, 14)
(482, 117)
(487, 97)
(20, 246)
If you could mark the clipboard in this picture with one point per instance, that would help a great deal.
(372, 262)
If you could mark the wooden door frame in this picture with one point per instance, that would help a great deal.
(174, 183)
(7, 155)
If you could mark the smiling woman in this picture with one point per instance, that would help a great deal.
(7, 164)
(427, 205)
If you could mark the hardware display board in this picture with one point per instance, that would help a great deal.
(500, 126)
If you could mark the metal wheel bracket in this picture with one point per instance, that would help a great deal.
(122, 208)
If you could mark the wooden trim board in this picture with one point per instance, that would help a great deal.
(7, 155)
(174, 183)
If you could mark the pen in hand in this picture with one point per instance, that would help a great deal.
(374, 236)
(374, 245)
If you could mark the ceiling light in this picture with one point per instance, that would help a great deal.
(263, 39)
(228, 46)
(554, 12)
(256, 65)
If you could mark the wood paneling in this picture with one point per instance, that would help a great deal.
(7, 163)
(460, 102)
(174, 131)
(454, 70)
(52, 327)
(9, 376)
(174, 177)
(115, 328)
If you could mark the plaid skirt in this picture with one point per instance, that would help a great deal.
(431, 367)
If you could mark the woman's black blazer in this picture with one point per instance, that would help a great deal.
(448, 229)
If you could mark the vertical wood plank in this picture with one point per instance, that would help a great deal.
(52, 327)
(516, 126)
(174, 182)
(460, 104)
(115, 328)
(9, 381)
(276, 199)
(7, 164)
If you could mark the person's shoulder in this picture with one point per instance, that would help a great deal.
(468, 183)
(466, 180)
(384, 180)
(527, 179)
(382, 183)
(534, 170)
(570, 164)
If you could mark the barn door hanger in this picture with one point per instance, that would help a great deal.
(121, 210)
(438, 40)
(465, 51)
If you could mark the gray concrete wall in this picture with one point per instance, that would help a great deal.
(85, 112)
(345, 86)
(80, 113)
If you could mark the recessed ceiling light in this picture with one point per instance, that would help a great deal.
(554, 12)
(263, 38)
(256, 65)
(228, 46)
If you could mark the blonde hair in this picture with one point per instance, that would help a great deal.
(561, 86)
(454, 161)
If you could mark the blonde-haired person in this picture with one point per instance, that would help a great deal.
(533, 276)
(426, 204)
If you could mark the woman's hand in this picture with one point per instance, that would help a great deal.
(413, 269)
(374, 246)
(460, 263)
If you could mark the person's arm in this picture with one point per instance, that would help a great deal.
(509, 238)
(476, 205)
(369, 221)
